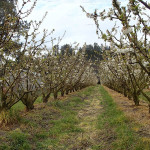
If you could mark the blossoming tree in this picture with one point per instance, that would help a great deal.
(128, 61)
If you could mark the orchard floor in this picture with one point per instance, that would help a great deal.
(82, 120)
(138, 114)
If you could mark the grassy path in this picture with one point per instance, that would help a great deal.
(86, 120)
(87, 115)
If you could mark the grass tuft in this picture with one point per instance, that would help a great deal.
(8, 117)
(19, 140)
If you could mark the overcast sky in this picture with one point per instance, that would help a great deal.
(66, 15)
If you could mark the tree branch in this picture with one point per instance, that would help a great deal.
(144, 3)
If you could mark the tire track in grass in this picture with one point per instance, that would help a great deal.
(88, 122)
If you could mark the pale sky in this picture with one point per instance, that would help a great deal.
(66, 15)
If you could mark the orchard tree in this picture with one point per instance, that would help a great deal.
(17, 64)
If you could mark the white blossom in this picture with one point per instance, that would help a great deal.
(146, 63)
(110, 13)
(118, 3)
(127, 30)
(125, 50)
(137, 71)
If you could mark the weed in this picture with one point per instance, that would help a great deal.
(76, 99)
(41, 135)
(41, 146)
(19, 140)
(57, 103)
(4, 147)
(9, 117)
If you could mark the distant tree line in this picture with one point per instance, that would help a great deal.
(92, 52)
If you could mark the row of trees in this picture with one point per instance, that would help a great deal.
(28, 69)
(92, 52)
(126, 67)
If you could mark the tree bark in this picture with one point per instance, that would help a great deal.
(125, 92)
(67, 92)
(136, 99)
(45, 98)
(28, 101)
(62, 93)
(29, 107)
(55, 95)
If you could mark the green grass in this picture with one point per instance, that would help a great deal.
(66, 125)
(112, 120)
(53, 132)
(86, 92)
(17, 141)
(62, 127)
(18, 106)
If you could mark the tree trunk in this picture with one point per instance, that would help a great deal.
(55, 95)
(76, 88)
(125, 92)
(129, 96)
(62, 93)
(136, 99)
(67, 92)
(28, 101)
(148, 98)
(3, 109)
(99, 82)
(29, 107)
(45, 98)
